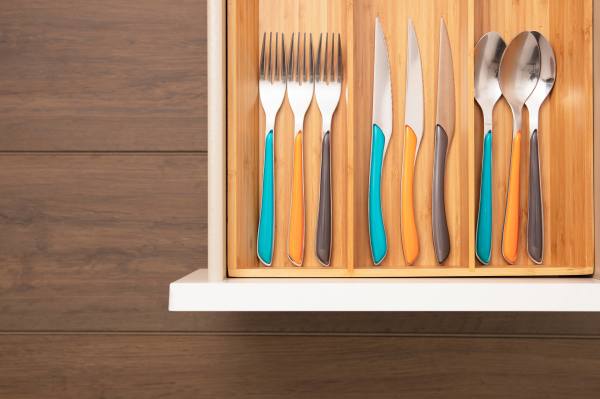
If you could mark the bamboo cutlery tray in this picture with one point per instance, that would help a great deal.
(566, 138)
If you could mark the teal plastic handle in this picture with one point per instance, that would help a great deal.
(484, 217)
(266, 224)
(376, 227)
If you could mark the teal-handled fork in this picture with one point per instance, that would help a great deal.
(271, 89)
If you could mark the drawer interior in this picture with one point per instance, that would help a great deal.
(566, 160)
(566, 141)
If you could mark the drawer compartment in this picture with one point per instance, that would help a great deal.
(566, 138)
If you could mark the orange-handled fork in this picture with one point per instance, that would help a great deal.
(300, 89)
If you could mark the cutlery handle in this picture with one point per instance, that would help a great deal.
(410, 238)
(510, 233)
(324, 218)
(266, 223)
(376, 226)
(296, 228)
(441, 236)
(535, 221)
(484, 216)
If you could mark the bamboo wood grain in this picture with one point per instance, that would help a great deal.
(569, 245)
(566, 134)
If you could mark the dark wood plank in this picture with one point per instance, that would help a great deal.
(102, 75)
(92, 241)
(128, 366)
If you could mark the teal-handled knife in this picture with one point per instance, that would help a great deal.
(380, 137)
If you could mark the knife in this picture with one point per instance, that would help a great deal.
(413, 133)
(380, 138)
(444, 131)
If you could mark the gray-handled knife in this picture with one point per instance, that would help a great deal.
(380, 137)
(444, 131)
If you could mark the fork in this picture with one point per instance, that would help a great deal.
(300, 88)
(328, 87)
(271, 89)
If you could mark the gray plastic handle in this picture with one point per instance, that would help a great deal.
(441, 237)
(535, 220)
(324, 218)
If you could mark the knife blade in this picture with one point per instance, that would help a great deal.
(413, 133)
(444, 132)
(380, 137)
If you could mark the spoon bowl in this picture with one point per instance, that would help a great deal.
(519, 73)
(488, 53)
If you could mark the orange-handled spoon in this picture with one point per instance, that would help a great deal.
(518, 76)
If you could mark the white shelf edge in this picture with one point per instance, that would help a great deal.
(195, 292)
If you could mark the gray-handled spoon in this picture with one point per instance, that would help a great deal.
(535, 221)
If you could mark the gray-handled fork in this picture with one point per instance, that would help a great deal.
(271, 89)
(328, 87)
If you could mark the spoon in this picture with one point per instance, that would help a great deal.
(535, 221)
(488, 52)
(519, 73)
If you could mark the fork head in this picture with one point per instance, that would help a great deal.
(329, 74)
(300, 76)
(272, 75)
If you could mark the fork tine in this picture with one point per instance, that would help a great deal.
(282, 71)
(304, 71)
(291, 60)
(262, 57)
(298, 70)
(276, 72)
(318, 67)
(331, 71)
(269, 68)
(312, 71)
(326, 59)
(340, 74)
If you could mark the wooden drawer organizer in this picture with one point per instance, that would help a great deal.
(566, 141)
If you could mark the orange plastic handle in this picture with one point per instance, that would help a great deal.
(296, 233)
(410, 238)
(510, 234)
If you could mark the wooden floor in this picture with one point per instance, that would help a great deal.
(103, 203)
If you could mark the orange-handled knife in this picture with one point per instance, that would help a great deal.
(413, 133)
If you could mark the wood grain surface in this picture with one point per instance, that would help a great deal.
(566, 161)
(89, 242)
(569, 220)
(123, 366)
(102, 75)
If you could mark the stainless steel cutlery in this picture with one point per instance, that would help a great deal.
(524, 73)
(488, 53)
(300, 88)
(444, 132)
(329, 76)
(380, 138)
(303, 79)
(519, 74)
(535, 214)
(271, 89)
(413, 133)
